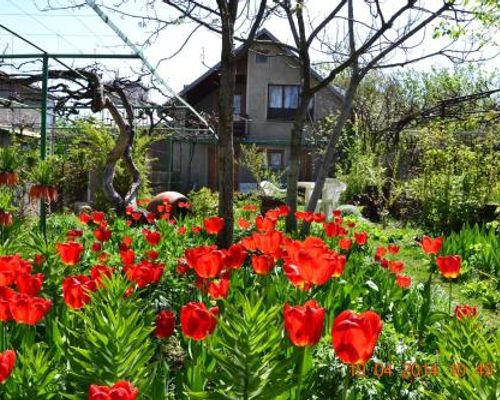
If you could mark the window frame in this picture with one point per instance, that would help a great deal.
(285, 114)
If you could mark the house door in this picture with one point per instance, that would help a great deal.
(305, 169)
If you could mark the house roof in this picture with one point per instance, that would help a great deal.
(265, 35)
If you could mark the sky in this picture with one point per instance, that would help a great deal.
(81, 31)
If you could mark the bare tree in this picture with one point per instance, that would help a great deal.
(367, 33)
(223, 19)
(73, 89)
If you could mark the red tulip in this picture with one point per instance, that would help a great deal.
(380, 253)
(152, 237)
(235, 256)
(7, 362)
(70, 252)
(465, 311)
(306, 216)
(267, 243)
(6, 293)
(152, 254)
(126, 242)
(28, 310)
(244, 224)
(361, 238)
(431, 246)
(127, 256)
(449, 266)
(337, 213)
(85, 218)
(122, 390)
(403, 281)
(338, 263)
(97, 272)
(181, 230)
(213, 225)
(219, 289)
(332, 229)
(6, 218)
(102, 234)
(396, 267)
(265, 224)
(250, 207)
(164, 324)
(98, 216)
(38, 260)
(11, 267)
(96, 247)
(29, 284)
(197, 322)
(144, 273)
(72, 234)
(76, 290)
(274, 214)
(393, 249)
(319, 217)
(304, 324)
(206, 261)
(262, 264)
(354, 335)
(345, 243)
(196, 230)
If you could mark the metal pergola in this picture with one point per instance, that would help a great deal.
(108, 36)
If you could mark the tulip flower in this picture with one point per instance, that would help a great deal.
(213, 225)
(345, 243)
(7, 362)
(28, 310)
(403, 281)
(127, 256)
(102, 234)
(6, 218)
(152, 237)
(262, 264)
(393, 249)
(144, 273)
(449, 266)
(361, 238)
(396, 267)
(304, 324)
(380, 252)
(354, 336)
(250, 207)
(70, 252)
(235, 256)
(6, 293)
(465, 311)
(29, 284)
(332, 229)
(164, 324)
(76, 290)
(122, 390)
(432, 246)
(97, 272)
(244, 224)
(206, 261)
(85, 218)
(265, 224)
(219, 289)
(197, 322)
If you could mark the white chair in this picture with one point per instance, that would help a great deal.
(271, 190)
(332, 190)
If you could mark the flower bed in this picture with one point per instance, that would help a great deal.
(106, 309)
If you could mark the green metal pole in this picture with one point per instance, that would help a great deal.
(43, 134)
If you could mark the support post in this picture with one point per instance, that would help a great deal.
(43, 133)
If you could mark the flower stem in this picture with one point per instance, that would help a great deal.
(346, 386)
(449, 299)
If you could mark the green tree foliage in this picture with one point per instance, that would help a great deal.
(85, 151)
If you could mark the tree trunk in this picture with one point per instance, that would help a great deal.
(225, 149)
(294, 160)
(329, 158)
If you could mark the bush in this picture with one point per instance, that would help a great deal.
(455, 179)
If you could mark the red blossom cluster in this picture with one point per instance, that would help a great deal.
(23, 306)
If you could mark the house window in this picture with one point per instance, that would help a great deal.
(275, 160)
(261, 58)
(282, 101)
(237, 100)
